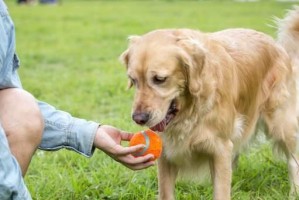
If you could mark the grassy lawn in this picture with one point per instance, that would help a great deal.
(69, 58)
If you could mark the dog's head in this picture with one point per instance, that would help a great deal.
(164, 67)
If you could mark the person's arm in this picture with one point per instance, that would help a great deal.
(64, 131)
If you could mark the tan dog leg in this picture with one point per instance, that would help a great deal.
(283, 128)
(167, 177)
(293, 164)
(221, 172)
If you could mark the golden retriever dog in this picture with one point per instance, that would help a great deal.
(206, 92)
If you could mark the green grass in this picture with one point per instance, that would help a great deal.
(69, 55)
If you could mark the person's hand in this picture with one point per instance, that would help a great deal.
(109, 138)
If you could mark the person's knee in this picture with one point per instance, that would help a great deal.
(32, 126)
(21, 117)
(23, 124)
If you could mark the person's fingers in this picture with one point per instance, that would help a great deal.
(134, 163)
(141, 165)
(120, 150)
(141, 159)
(132, 160)
(126, 136)
(137, 163)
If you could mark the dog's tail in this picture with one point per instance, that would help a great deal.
(288, 35)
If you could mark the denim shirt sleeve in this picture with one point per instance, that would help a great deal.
(64, 131)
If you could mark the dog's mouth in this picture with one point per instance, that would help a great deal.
(171, 113)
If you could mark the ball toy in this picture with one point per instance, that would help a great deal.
(151, 140)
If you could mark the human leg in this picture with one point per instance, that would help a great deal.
(22, 122)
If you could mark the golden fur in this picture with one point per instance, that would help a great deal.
(215, 88)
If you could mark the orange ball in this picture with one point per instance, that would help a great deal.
(152, 141)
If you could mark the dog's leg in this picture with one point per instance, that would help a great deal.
(293, 164)
(167, 176)
(221, 171)
(283, 128)
(289, 147)
(292, 153)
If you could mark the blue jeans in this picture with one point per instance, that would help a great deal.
(61, 129)
(11, 182)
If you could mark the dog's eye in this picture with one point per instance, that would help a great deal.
(133, 81)
(159, 80)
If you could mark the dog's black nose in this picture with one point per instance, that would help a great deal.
(140, 118)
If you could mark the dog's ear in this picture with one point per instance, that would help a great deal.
(124, 59)
(193, 59)
(125, 56)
